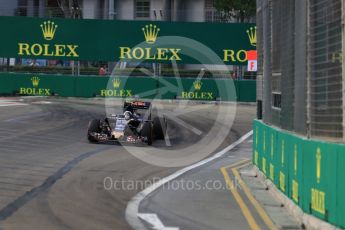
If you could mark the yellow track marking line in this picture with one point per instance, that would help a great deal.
(264, 216)
(244, 208)
(241, 163)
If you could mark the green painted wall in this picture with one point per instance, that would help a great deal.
(310, 172)
(142, 87)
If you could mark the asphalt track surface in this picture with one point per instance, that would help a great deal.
(52, 178)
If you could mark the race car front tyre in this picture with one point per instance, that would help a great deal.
(159, 128)
(94, 127)
(147, 132)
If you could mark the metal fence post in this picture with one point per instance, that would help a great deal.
(267, 72)
(343, 62)
(300, 63)
(308, 121)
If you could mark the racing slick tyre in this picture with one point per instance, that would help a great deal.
(147, 132)
(159, 128)
(93, 128)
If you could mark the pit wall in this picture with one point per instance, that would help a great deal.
(122, 87)
(310, 172)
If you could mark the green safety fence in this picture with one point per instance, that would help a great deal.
(309, 172)
(126, 87)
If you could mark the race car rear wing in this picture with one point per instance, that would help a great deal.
(137, 104)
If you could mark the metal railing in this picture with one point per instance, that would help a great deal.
(206, 15)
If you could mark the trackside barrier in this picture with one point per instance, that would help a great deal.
(295, 169)
(310, 172)
(320, 180)
(123, 87)
(341, 186)
(283, 148)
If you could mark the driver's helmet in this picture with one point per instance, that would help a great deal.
(130, 108)
(128, 115)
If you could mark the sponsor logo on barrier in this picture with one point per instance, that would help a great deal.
(295, 191)
(252, 35)
(197, 85)
(235, 56)
(116, 92)
(295, 160)
(196, 93)
(264, 144)
(116, 83)
(283, 153)
(48, 30)
(282, 181)
(271, 171)
(256, 158)
(48, 50)
(35, 81)
(240, 55)
(148, 53)
(318, 201)
(272, 146)
(150, 33)
(318, 165)
(264, 165)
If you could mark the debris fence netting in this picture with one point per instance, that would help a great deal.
(301, 83)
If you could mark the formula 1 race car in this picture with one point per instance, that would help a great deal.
(135, 125)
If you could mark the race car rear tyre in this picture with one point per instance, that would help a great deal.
(159, 128)
(93, 128)
(147, 132)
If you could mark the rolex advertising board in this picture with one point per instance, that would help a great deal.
(105, 40)
(124, 87)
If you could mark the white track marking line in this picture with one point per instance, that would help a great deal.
(28, 116)
(156, 223)
(11, 102)
(41, 102)
(132, 210)
(8, 103)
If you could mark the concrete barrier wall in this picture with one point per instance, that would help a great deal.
(310, 172)
(123, 87)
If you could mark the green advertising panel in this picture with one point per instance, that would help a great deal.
(246, 90)
(284, 148)
(309, 172)
(193, 89)
(295, 169)
(257, 142)
(272, 155)
(341, 186)
(264, 146)
(111, 40)
(320, 179)
(122, 87)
